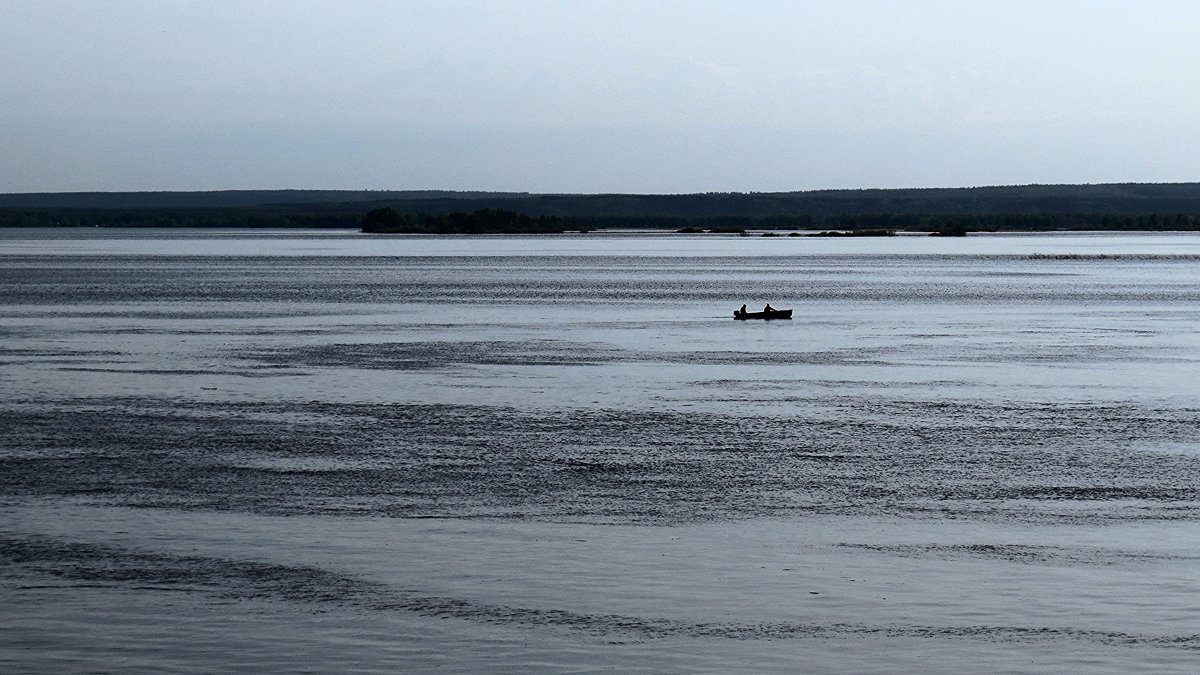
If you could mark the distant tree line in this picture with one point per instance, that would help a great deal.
(490, 219)
(1112, 198)
(950, 224)
(168, 218)
(1117, 199)
(482, 221)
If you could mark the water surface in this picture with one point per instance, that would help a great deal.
(330, 451)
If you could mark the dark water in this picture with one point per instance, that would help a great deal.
(330, 452)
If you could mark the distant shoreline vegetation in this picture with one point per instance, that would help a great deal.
(483, 221)
(496, 221)
(942, 211)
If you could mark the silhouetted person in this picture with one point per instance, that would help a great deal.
(768, 308)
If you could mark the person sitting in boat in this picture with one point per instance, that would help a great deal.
(768, 309)
(742, 311)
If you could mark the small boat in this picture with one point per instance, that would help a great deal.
(773, 314)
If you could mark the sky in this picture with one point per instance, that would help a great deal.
(587, 96)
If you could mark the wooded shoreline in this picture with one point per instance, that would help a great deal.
(1112, 207)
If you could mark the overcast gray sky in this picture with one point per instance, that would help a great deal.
(637, 96)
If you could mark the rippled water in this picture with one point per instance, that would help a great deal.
(332, 452)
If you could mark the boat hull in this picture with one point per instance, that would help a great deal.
(768, 316)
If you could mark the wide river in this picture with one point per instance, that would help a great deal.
(333, 452)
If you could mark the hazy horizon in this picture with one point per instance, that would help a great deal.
(607, 97)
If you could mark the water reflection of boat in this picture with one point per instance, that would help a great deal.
(773, 314)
